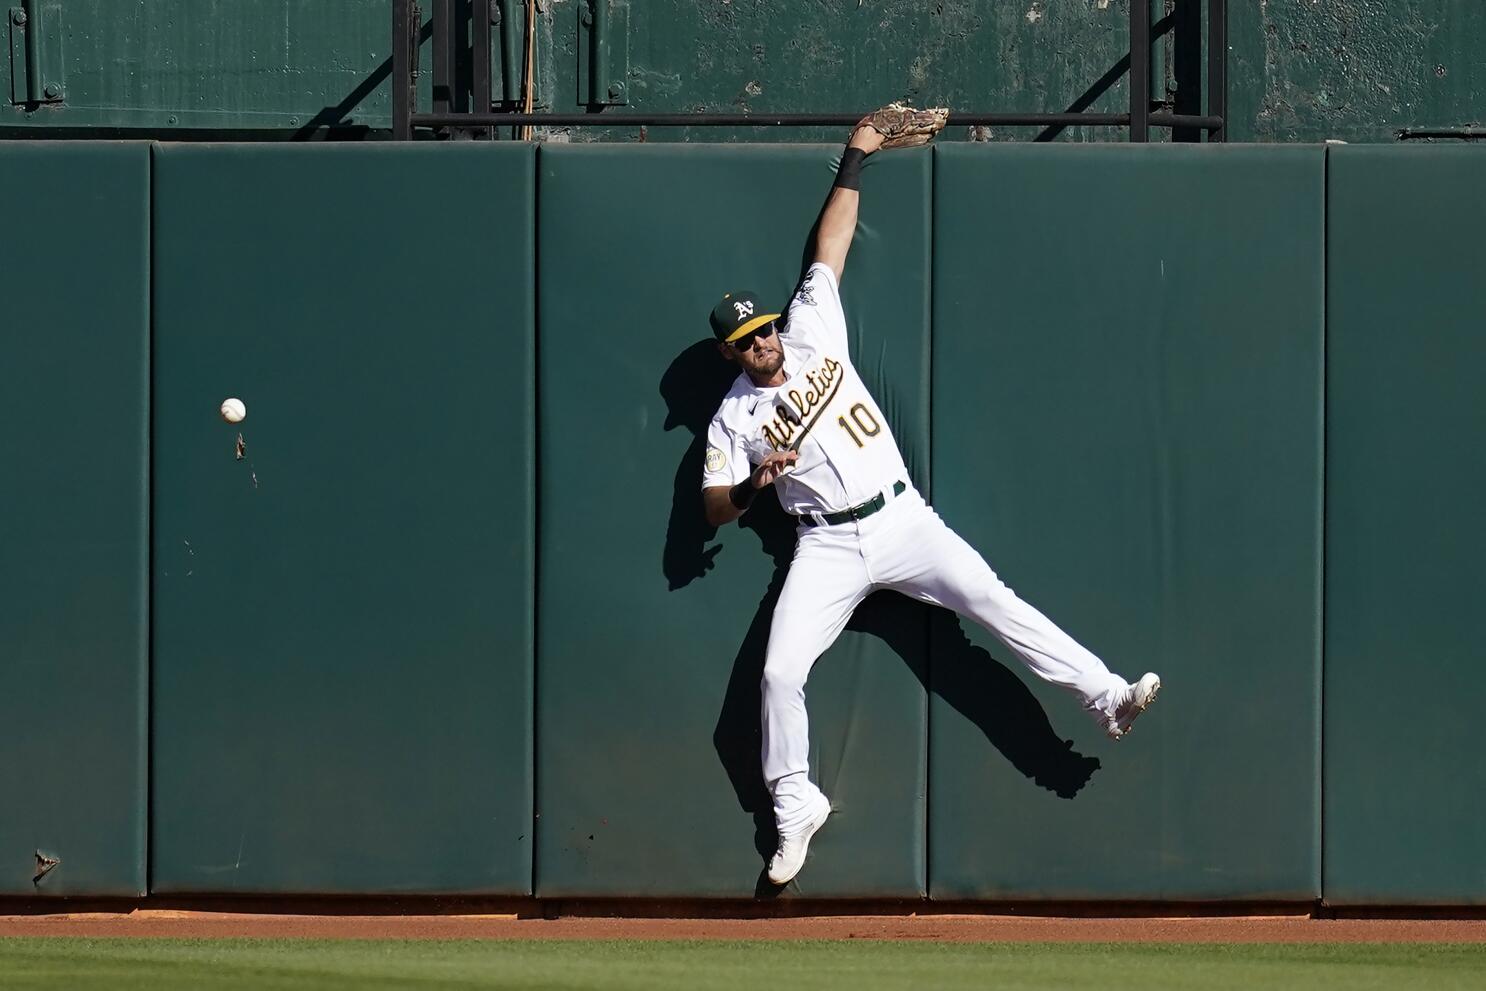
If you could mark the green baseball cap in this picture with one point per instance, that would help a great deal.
(738, 315)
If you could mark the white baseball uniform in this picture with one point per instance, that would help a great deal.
(847, 456)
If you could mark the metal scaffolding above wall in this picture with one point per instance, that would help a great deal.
(463, 105)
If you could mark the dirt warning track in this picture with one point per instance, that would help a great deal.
(157, 923)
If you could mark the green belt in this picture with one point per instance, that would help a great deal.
(861, 512)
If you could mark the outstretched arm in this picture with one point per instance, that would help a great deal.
(838, 221)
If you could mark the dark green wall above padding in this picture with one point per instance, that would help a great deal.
(342, 603)
(652, 625)
(1357, 70)
(283, 65)
(1127, 423)
(1405, 770)
(74, 455)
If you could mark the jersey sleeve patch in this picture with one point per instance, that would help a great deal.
(805, 295)
(716, 460)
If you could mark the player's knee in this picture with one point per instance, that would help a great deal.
(782, 678)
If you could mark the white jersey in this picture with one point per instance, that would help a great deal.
(823, 410)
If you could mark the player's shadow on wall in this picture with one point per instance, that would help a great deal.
(973, 682)
(692, 387)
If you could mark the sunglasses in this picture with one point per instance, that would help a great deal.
(745, 343)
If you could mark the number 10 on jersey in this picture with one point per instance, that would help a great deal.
(865, 422)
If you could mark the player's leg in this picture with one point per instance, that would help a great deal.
(926, 559)
(826, 581)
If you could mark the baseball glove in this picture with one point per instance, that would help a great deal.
(901, 126)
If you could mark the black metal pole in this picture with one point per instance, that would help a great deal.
(1140, 70)
(443, 56)
(460, 65)
(404, 37)
(797, 120)
(480, 53)
(780, 120)
(480, 101)
(1187, 69)
(1217, 67)
(1440, 134)
(1208, 123)
(1159, 25)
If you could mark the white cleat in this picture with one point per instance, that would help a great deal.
(790, 856)
(1133, 701)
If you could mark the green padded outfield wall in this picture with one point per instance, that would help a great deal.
(651, 625)
(342, 609)
(1127, 421)
(74, 424)
(1406, 358)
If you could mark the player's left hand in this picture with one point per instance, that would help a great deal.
(866, 137)
(900, 126)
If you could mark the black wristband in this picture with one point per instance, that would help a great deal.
(849, 175)
(741, 495)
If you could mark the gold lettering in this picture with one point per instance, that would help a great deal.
(781, 430)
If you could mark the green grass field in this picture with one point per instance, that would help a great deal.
(169, 964)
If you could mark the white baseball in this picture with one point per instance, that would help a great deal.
(233, 410)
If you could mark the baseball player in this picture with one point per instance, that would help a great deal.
(799, 418)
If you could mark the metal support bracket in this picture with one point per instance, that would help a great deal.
(510, 17)
(603, 53)
(36, 52)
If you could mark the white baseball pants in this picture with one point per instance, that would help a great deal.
(907, 547)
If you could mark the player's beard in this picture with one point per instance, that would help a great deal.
(766, 361)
